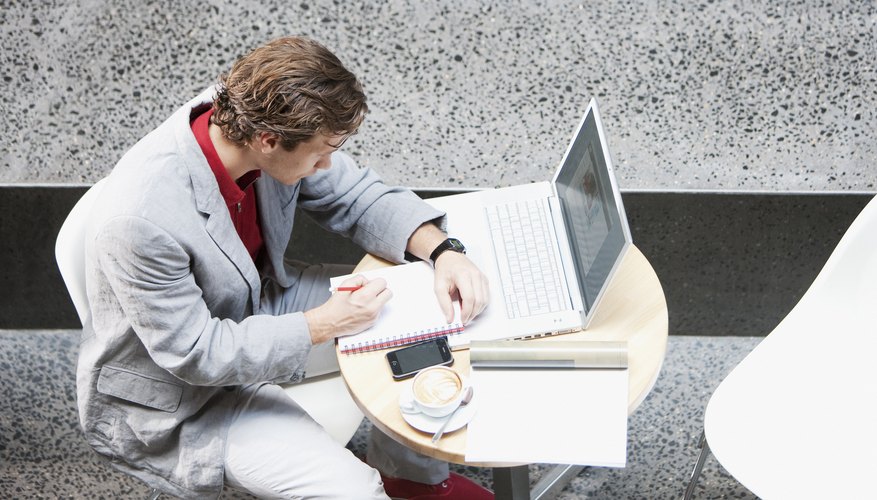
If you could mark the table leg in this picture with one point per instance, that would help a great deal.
(554, 480)
(511, 483)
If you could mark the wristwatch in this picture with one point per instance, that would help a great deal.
(452, 244)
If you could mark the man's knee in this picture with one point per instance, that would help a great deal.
(360, 482)
(343, 479)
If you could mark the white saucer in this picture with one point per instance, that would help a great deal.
(429, 424)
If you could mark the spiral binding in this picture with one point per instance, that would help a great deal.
(404, 339)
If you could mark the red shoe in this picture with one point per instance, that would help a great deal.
(454, 487)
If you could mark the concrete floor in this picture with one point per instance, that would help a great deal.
(755, 95)
(44, 454)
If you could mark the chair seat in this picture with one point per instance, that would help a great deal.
(327, 400)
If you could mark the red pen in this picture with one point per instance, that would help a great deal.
(345, 288)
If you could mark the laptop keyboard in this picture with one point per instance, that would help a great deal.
(529, 266)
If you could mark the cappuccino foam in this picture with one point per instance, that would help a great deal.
(437, 387)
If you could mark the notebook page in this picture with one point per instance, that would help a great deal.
(411, 315)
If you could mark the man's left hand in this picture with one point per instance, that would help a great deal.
(457, 277)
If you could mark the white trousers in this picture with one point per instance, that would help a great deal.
(276, 450)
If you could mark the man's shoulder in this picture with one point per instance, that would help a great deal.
(155, 189)
(166, 164)
(169, 143)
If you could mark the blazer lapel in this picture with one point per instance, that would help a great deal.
(276, 213)
(220, 228)
(209, 202)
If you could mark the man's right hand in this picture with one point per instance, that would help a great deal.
(346, 313)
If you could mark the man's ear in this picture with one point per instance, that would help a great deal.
(266, 142)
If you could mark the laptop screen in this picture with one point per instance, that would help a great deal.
(592, 210)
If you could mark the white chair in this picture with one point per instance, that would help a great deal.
(70, 250)
(797, 418)
(325, 398)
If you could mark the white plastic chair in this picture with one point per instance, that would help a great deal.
(70, 250)
(797, 418)
(325, 398)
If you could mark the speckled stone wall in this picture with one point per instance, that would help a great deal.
(707, 94)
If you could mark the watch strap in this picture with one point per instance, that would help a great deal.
(451, 244)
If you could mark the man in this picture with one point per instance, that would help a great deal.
(195, 315)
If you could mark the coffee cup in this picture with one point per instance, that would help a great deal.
(436, 392)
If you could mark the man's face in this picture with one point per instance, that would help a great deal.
(289, 167)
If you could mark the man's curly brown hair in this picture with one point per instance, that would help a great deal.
(293, 87)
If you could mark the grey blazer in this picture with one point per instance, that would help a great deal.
(180, 315)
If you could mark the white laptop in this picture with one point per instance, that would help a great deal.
(561, 242)
(583, 238)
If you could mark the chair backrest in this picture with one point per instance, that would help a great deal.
(848, 281)
(70, 250)
(801, 396)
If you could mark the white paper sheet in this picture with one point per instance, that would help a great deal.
(549, 416)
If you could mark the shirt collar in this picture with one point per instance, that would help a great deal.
(232, 192)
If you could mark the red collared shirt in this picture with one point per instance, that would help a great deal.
(240, 195)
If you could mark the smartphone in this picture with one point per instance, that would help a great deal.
(409, 360)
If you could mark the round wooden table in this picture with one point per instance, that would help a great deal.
(633, 310)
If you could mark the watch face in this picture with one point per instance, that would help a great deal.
(456, 246)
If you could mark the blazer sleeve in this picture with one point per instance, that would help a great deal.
(354, 202)
(150, 276)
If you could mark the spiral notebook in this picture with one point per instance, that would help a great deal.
(412, 315)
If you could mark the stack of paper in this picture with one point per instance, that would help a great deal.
(557, 416)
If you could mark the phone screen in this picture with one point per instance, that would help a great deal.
(409, 360)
